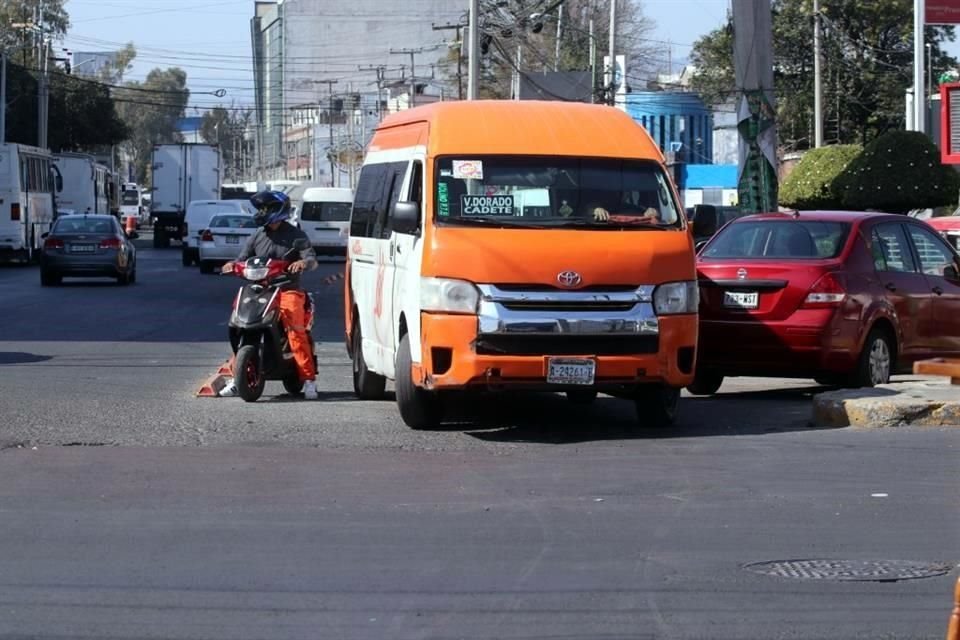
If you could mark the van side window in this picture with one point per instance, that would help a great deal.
(416, 184)
(391, 194)
(366, 201)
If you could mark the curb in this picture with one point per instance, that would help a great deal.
(924, 405)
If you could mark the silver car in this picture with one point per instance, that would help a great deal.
(88, 245)
(224, 238)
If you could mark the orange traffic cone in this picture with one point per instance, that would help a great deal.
(953, 631)
(131, 224)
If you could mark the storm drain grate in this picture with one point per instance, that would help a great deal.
(855, 570)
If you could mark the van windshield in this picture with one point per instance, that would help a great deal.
(540, 192)
(326, 211)
(130, 197)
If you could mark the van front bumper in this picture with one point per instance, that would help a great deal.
(456, 354)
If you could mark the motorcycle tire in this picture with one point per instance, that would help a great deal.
(248, 374)
(293, 384)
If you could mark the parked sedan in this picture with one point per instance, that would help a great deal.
(88, 245)
(841, 297)
(223, 239)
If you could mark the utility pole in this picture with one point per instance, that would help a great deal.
(518, 78)
(556, 55)
(381, 70)
(457, 28)
(593, 64)
(919, 104)
(612, 71)
(473, 52)
(330, 84)
(817, 79)
(3, 97)
(413, 78)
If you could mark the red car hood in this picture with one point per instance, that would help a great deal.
(946, 223)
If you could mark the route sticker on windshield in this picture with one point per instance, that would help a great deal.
(468, 169)
(443, 199)
(487, 205)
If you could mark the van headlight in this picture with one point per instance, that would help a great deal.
(448, 296)
(676, 297)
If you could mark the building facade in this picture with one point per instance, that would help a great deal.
(319, 51)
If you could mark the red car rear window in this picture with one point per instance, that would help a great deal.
(780, 239)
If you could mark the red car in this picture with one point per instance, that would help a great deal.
(949, 226)
(841, 297)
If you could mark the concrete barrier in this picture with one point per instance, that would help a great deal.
(921, 403)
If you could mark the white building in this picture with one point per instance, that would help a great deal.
(307, 51)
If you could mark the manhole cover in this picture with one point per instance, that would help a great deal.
(859, 570)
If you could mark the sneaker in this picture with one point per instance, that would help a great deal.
(310, 390)
(229, 390)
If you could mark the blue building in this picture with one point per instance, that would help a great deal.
(677, 120)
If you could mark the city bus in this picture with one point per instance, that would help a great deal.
(27, 206)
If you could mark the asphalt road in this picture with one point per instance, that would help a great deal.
(525, 518)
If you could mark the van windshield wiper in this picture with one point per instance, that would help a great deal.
(596, 224)
(485, 221)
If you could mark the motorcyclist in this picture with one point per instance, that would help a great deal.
(274, 239)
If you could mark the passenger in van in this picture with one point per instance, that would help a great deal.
(605, 206)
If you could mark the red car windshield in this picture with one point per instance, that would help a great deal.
(780, 239)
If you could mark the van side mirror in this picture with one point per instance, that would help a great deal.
(700, 245)
(406, 217)
(705, 221)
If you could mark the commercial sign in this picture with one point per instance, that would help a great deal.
(942, 12)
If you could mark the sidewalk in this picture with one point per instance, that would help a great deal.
(919, 401)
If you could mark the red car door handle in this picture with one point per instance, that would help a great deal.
(890, 286)
(938, 291)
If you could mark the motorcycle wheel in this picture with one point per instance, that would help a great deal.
(248, 374)
(293, 385)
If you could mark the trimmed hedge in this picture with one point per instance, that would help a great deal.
(897, 172)
(811, 183)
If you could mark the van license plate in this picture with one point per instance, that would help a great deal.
(741, 300)
(575, 371)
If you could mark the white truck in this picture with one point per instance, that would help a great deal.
(131, 203)
(87, 184)
(181, 173)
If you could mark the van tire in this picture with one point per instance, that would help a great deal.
(185, 258)
(582, 397)
(366, 384)
(419, 408)
(657, 405)
(50, 278)
(705, 383)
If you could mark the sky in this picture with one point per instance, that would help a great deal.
(210, 39)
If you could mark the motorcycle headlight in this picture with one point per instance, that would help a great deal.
(448, 296)
(676, 297)
(255, 273)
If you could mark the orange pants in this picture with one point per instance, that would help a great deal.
(294, 317)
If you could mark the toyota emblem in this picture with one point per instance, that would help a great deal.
(569, 279)
(742, 274)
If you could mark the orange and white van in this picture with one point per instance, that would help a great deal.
(519, 245)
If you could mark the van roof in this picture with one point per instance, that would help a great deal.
(328, 194)
(528, 127)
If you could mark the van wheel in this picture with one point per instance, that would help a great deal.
(49, 278)
(657, 405)
(419, 408)
(705, 383)
(185, 258)
(876, 361)
(366, 384)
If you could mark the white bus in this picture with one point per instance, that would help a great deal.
(26, 199)
(86, 184)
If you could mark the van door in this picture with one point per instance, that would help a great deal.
(386, 309)
(406, 263)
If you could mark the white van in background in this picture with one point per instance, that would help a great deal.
(199, 214)
(325, 218)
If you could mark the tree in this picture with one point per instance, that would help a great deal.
(151, 110)
(52, 13)
(897, 172)
(867, 67)
(811, 183)
(226, 126)
(113, 72)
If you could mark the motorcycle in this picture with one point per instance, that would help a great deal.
(257, 335)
